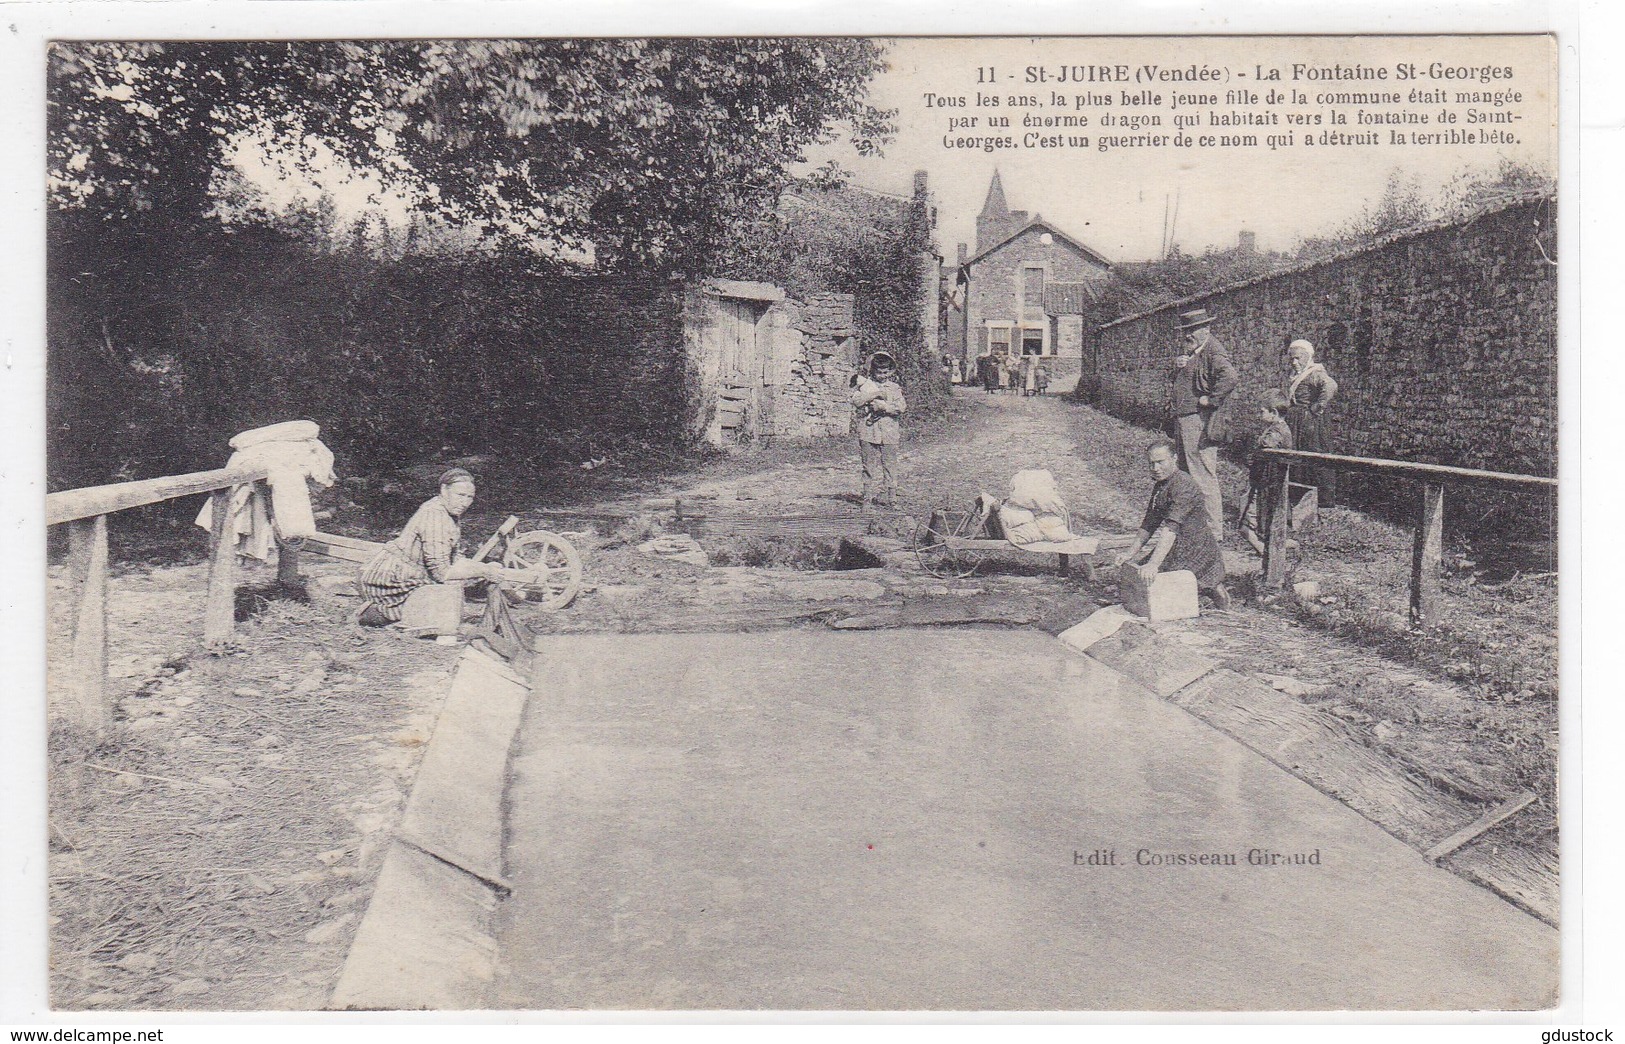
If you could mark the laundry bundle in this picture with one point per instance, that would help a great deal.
(292, 453)
(1034, 512)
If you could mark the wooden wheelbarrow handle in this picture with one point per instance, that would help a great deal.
(490, 545)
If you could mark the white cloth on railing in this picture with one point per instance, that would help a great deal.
(291, 453)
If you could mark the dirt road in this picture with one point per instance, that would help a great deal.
(993, 437)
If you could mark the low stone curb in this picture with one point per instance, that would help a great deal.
(426, 941)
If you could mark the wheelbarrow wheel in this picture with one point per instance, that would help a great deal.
(554, 564)
(937, 556)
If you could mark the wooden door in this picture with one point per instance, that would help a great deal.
(741, 362)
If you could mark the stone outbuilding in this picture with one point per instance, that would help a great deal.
(768, 365)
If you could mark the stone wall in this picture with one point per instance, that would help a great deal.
(817, 351)
(1067, 334)
(1443, 341)
(1062, 366)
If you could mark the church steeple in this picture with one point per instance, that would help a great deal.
(995, 207)
(996, 220)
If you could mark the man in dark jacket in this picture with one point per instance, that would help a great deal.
(1201, 380)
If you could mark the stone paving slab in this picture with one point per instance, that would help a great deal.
(1162, 666)
(426, 942)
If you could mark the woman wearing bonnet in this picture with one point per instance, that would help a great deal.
(424, 553)
(1308, 393)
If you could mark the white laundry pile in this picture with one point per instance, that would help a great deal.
(1035, 512)
(292, 452)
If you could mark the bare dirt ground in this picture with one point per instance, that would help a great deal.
(217, 851)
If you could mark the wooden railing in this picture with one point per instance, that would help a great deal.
(1428, 544)
(84, 512)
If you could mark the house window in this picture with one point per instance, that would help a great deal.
(1033, 341)
(1032, 293)
(998, 339)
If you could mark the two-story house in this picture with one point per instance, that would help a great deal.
(1027, 288)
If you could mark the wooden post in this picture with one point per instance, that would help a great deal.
(1277, 509)
(287, 564)
(287, 551)
(92, 706)
(1066, 565)
(1425, 555)
(219, 610)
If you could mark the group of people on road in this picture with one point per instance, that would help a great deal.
(997, 372)
(1184, 520)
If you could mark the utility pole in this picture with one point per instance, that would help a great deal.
(1173, 226)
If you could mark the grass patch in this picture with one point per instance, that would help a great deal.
(1497, 639)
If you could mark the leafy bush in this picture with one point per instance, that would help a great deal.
(156, 360)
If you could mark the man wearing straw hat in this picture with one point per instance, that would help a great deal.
(1202, 379)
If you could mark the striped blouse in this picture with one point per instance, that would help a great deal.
(429, 539)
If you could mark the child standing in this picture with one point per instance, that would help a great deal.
(878, 400)
(1276, 434)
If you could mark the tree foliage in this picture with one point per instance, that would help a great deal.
(649, 150)
(180, 312)
(642, 151)
(1404, 204)
(139, 131)
(1180, 275)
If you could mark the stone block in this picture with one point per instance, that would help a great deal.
(1098, 626)
(1157, 661)
(434, 609)
(1169, 596)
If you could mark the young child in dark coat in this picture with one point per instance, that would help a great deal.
(1276, 434)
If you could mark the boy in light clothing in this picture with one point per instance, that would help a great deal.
(879, 402)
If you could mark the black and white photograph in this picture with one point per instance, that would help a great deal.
(751, 523)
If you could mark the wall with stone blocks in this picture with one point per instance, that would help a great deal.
(1443, 341)
(816, 352)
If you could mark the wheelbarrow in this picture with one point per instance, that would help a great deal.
(953, 544)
